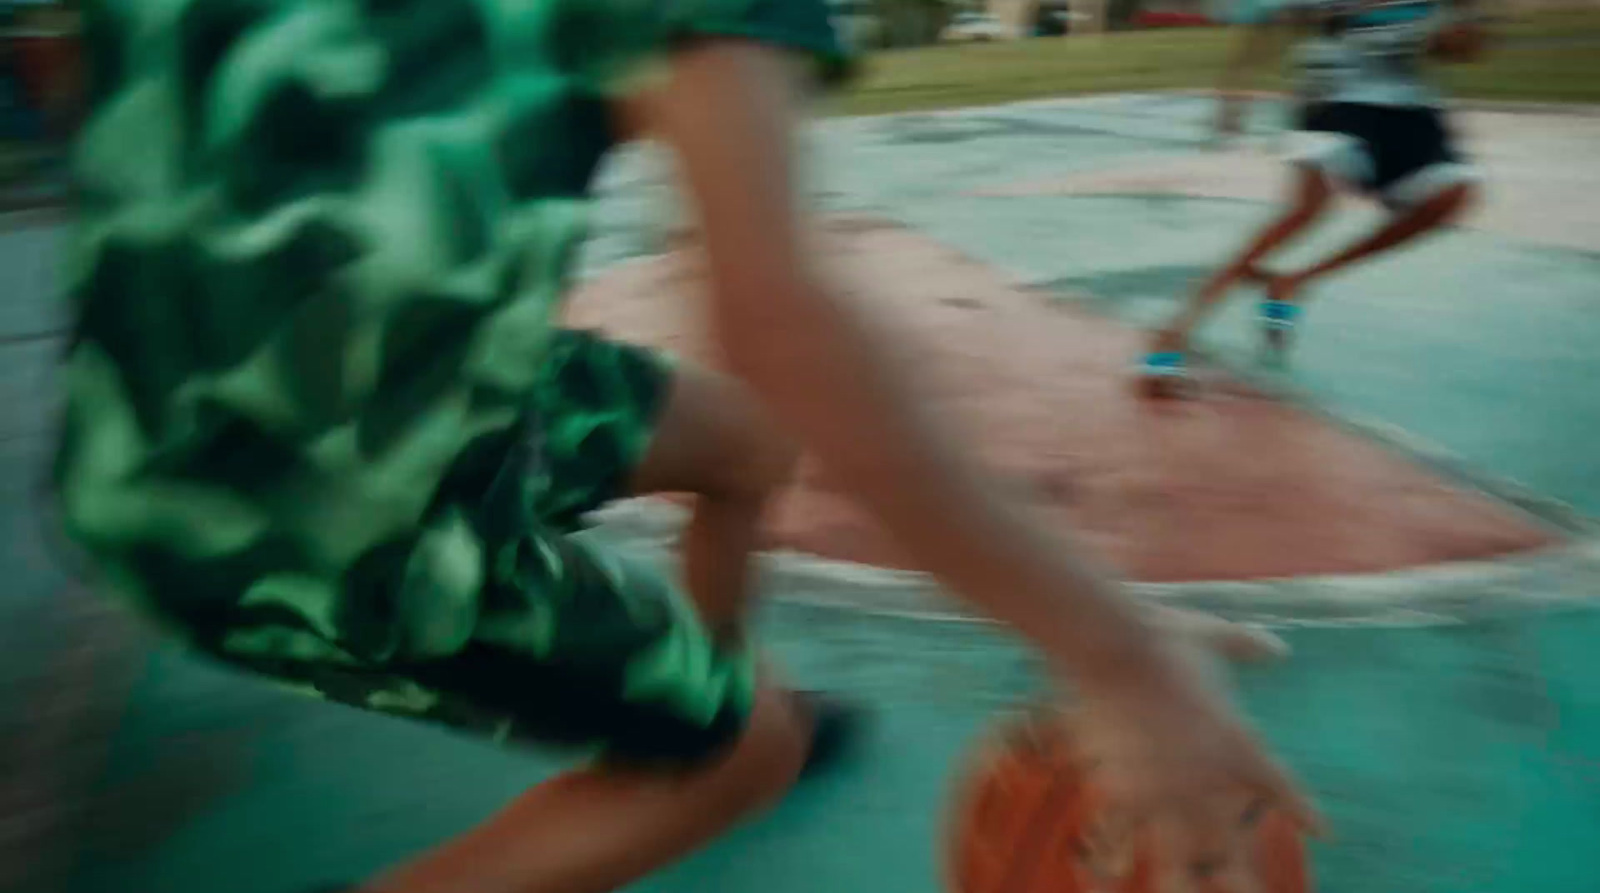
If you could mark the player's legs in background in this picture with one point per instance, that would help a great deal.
(1405, 157)
(1257, 44)
(1432, 199)
(1309, 195)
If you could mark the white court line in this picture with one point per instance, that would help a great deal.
(1562, 577)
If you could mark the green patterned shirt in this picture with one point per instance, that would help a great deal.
(321, 245)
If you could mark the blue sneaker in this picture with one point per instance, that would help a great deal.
(1163, 373)
(1278, 320)
(1163, 364)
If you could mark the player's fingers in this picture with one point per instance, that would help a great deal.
(1272, 783)
(1192, 844)
(1221, 841)
(1179, 868)
(1240, 642)
(1248, 644)
(1241, 876)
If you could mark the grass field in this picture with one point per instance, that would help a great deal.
(1547, 56)
(1552, 56)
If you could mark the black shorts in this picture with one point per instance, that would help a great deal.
(1399, 154)
(567, 643)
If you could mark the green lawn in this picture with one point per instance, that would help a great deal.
(1547, 57)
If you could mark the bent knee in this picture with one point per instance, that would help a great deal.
(1312, 195)
(1450, 187)
(1464, 197)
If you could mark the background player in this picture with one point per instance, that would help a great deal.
(1262, 32)
(1369, 122)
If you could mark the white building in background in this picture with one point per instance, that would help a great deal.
(857, 22)
(1089, 15)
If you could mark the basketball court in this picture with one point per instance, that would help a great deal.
(1410, 502)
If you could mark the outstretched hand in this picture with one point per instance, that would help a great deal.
(1177, 758)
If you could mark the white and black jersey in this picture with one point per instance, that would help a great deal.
(1371, 52)
(1367, 113)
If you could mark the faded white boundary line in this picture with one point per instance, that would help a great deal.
(1565, 576)
(1506, 106)
(1550, 512)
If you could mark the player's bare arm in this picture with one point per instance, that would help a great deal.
(831, 376)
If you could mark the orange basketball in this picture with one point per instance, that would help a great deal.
(1027, 819)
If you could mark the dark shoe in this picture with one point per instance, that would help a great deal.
(838, 726)
(1278, 319)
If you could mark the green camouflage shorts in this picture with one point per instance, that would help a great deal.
(584, 648)
(317, 421)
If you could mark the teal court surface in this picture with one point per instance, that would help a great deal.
(1444, 712)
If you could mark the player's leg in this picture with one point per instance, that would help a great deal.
(1308, 198)
(1419, 177)
(599, 829)
(713, 440)
(578, 645)
(1258, 42)
(569, 644)
(622, 420)
(1336, 151)
(1438, 208)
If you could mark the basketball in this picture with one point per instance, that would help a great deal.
(1028, 819)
